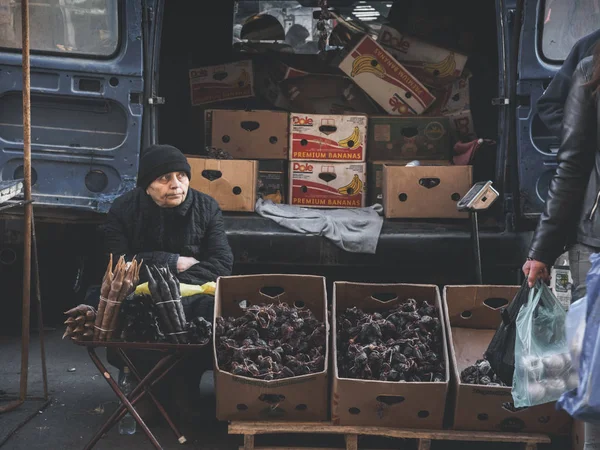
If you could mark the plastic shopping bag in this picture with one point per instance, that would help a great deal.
(501, 351)
(583, 402)
(575, 328)
(542, 359)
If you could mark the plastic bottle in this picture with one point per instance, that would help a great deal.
(127, 384)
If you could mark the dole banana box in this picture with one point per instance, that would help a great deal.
(219, 83)
(319, 137)
(433, 65)
(385, 80)
(322, 184)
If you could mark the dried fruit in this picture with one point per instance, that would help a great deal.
(402, 344)
(271, 341)
(481, 373)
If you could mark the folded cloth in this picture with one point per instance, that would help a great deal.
(354, 230)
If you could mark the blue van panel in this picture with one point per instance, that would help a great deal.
(86, 121)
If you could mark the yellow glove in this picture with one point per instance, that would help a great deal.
(187, 290)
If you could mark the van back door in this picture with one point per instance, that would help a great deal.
(86, 99)
(550, 28)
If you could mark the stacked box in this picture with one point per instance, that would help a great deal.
(327, 154)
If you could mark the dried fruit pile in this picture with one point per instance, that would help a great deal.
(402, 344)
(115, 288)
(141, 319)
(80, 324)
(166, 296)
(481, 373)
(271, 341)
(140, 323)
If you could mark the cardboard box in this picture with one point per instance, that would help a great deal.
(386, 81)
(462, 126)
(319, 184)
(433, 65)
(303, 398)
(453, 98)
(425, 192)
(325, 94)
(232, 183)
(249, 134)
(318, 137)
(472, 317)
(419, 138)
(386, 403)
(272, 177)
(218, 83)
(375, 176)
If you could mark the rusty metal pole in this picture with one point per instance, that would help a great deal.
(27, 229)
(27, 235)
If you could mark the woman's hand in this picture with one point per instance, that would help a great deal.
(535, 270)
(185, 262)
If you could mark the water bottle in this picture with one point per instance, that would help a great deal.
(127, 384)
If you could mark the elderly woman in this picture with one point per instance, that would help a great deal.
(166, 223)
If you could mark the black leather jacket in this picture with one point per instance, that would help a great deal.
(572, 211)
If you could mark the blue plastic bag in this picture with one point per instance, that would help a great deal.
(542, 359)
(584, 402)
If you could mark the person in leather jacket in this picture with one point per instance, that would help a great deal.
(571, 219)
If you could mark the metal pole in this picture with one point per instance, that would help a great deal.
(38, 301)
(476, 249)
(27, 235)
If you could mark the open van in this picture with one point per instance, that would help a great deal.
(111, 77)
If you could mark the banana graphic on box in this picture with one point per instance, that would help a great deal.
(242, 80)
(355, 187)
(352, 142)
(444, 68)
(367, 64)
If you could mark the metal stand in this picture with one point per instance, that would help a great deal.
(476, 246)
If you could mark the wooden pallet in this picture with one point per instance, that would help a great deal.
(423, 437)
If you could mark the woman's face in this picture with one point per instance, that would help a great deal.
(169, 190)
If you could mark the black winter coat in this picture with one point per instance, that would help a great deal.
(136, 226)
(572, 208)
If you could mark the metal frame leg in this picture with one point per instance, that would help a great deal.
(476, 248)
(147, 389)
(124, 400)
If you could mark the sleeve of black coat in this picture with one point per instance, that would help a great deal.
(575, 162)
(117, 242)
(218, 258)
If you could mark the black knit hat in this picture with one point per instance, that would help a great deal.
(158, 160)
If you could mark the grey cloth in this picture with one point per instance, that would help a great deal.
(355, 230)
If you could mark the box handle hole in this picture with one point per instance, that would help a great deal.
(482, 417)
(327, 129)
(385, 297)
(410, 132)
(327, 176)
(299, 304)
(495, 303)
(354, 411)
(220, 76)
(423, 414)
(250, 125)
(212, 175)
(272, 291)
(390, 399)
(430, 183)
(242, 407)
(301, 407)
(272, 399)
